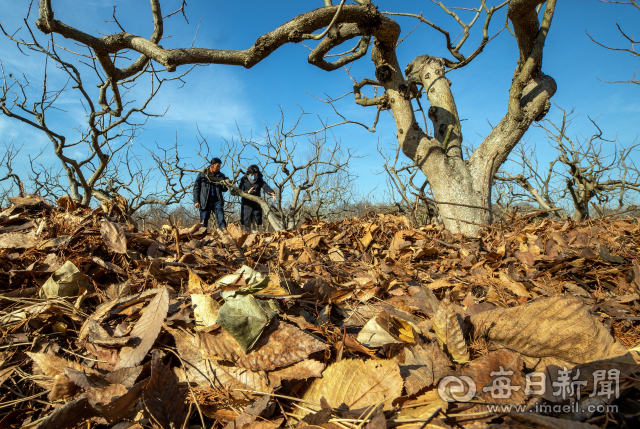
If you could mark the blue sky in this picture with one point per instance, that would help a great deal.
(216, 98)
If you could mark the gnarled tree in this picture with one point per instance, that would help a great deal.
(463, 184)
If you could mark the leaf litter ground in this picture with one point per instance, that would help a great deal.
(364, 323)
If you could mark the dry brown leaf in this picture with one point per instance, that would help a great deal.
(162, 398)
(114, 237)
(205, 310)
(492, 372)
(439, 284)
(146, 329)
(516, 287)
(115, 402)
(422, 408)
(448, 331)
(357, 384)
(385, 329)
(308, 368)
(62, 387)
(17, 241)
(197, 285)
(280, 345)
(52, 365)
(208, 372)
(525, 257)
(69, 415)
(422, 366)
(559, 330)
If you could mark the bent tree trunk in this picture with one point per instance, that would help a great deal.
(461, 187)
(268, 212)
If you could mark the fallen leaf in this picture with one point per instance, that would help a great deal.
(355, 383)
(162, 398)
(422, 366)
(244, 317)
(17, 241)
(492, 373)
(558, 330)
(516, 287)
(146, 329)
(65, 281)
(448, 331)
(280, 345)
(205, 310)
(303, 370)
(69, 415)
(385, 329)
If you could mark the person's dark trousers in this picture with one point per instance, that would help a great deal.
(247, 211)
(215, 205)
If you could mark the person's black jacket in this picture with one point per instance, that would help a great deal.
(202, 187)
(259, 186)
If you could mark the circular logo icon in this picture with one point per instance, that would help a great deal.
(452, 389)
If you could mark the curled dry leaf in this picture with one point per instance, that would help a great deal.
(280, 345)
(448, 331)
(558, 330)
(146, 329)
(53, 367)
(385, 329)
(205, 310)
(355, 383)
(114, 237)
(245, 318)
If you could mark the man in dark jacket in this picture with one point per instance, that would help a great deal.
(253, 183)
(207, 193)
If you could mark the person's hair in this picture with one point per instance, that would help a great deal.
(216, 161)
(253, 169)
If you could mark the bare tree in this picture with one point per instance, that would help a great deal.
(9, 181)
(89, 158)
(588, 171)
(403, 192)
(629, 39)
(465, 185)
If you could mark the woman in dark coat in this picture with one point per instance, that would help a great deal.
(253, 183)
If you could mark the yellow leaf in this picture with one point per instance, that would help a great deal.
(357, 384)
(205, 310)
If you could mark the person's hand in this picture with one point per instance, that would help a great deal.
(197, 205)
(274, 197)
(251, 191)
